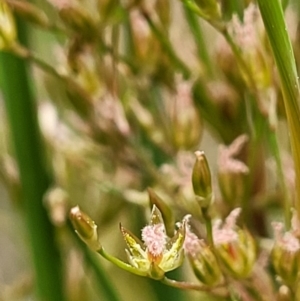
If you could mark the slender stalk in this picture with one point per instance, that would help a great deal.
(273, 18)
(121, 264)
(115, 42)
(208, 225)
(241, 61)
(192, 286)
(103, 281)
(221, 28)
(167, 47)
(184, 285)
(29, 152)
(196, 30)
(276, 154)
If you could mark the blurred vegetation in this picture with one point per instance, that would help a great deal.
(103, 105)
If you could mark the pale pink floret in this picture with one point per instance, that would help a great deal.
(226, 233)
(227, 162)
(245, 32)
(288, 241)
(155, 239)
(192, 244)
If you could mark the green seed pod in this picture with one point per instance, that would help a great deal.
(206, 267)
(165, 210)
(85, 228)
(201, 179)
(234, 247)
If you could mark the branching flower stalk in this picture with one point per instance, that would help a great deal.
(157, 255)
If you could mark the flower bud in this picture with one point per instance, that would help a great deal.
(165, 210)
(85, 227)
(206, 267)
(235, 247)
(232, 187)
(7, 26)
(201, 179)
(238, 257)
(202, 259)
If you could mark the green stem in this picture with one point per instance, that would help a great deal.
(233, 7)
(195, 287)
(115, 42)
(103, 281)
(242, 63)
(276, 154)
(208, 225)
(81, 103)
(273, 18)
(121, 264)
(167, 47)
(196, 30)
(184, 285)
(29, 152)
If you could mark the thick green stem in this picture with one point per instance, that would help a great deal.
(22, 119)
(273, 18)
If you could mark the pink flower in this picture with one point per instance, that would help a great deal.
(235, 247)
(227, 162)
(156, 253)
(287, 241)
(226, 233)
(154, 237)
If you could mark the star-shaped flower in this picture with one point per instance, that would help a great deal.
(156, 253)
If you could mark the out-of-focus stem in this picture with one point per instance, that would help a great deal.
(196, 30)
(243, 65)
(167, 47)
(276, 153)
(102, 280)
